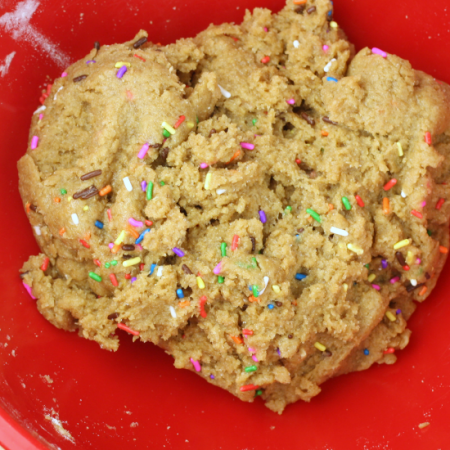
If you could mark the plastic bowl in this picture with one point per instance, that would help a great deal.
(51, 380)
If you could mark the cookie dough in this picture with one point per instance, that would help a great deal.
(259, 201)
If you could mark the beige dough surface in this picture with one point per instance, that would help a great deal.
(275, 125)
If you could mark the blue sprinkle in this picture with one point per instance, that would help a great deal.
(300, 276)
(330, 13)
(332, 79)
(141, 237)
(180, 293)
(271, 306)
(250, 288)
(99, 224)
(366, 352)
(152, 268)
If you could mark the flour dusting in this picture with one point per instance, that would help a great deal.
(5, 67)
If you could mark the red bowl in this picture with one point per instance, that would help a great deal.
(135, 397)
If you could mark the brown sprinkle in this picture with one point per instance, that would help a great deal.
(411, 288)
(311, 10)
(140, 42)
(279, 304)
(300, 230)
(89, 175)
(427, 275)
(33, 208)
(327, 120)
(165, 152)
(113, 316)
(213, 131)
(327, 353)
(128, 247)
(156, 145)
(300, 9)
(400, 258)
(126, 256)
(97, 45)
(309, 119)
(80, 78)
(290, 336)
(86, 193)
(253, 243)
(186, 269)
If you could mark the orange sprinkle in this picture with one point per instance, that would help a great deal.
(87, 236)
(443, 249)
(235, 242)
(62, 231)
(109, 215)
(423, 290)
(140, 57)
(299, 2)
(237, 339)
(294, 302)
(237, 153)
(386, 208)
(130, 95)
(115, 248)
(330, 207)
(309, 218)
(184, 304)
(132, 231)
(57, 200)
(106, 190)
(324, 133)
(27, 206)
(252, 299)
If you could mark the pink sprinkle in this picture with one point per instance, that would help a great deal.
(377, 51)
(139, 246)
(394, 280)
(64, 74)
(418, 261)
(41, 116)
(424, 204)
(135, 222)
(325, 48)
(111, 245)
(251, 350)
(143, 151)
(291, 101)
(375, 286)
(28, 288)
(218, 268)
(254, 358)
(265, 29)
(196, 365)
(204, 165)
(34, 142)
(247, 146)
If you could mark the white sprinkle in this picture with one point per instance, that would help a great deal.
(296, 44)
(172, 311)
(266, 281)
(403, 194)
(221, 191)
(225, 93)
(338, 231)
(127, 183)
(75, 219)
(328, 66)
(56, 95)
(37, 230)
(159, 271)
(40, 109)
(413, 282)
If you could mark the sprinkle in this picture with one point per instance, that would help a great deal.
(377, 51)
(324, 133)
(128, 330)
(338, 231)
(332, 79)
(64, 74)
(106, 190)
(220, 279)
(424, 425)
(400, 258)
(325, 48)
(371, 277)
(234, 242)
(265, 59)
(95, 277)
(255, 291)
(251, 369)
(149, 192)
(359, 200)
(346, 203)
(131, 262)
(84, 243)
(180, 120)
(394, 280)
(166, 134)
(417, 214)
(218, 268)
(276, 288)
(143, 151)
(355, 249)
(114, 262)
(225, 93)
(120, 238)
(300, 276)
(403, 194)
(291, 101)
(296, 44)
(45, 264)
(428, 139)
(402, 243)
(159, 272)
(390, 316)
(28, 288)
(389, 351)
(236, 154)
(204, 165)
(80, 78)
(75, 219)
(186, 269)
(201, 304)
(127, 183)
(333, 24)
(113, 279)
(249, 387)
(133, 280)
(135, 223)
(172, 309)
(386, 208)
(62, 231)
(366, 352)
(390, 184)
(400, 149)
(40, 109)
(200, 283)
(439, 203)
(34, 142)
(37, 230)
(208, 181)
(41, 116)
(140, 238)
(152, 268)
(314, 215)
(413, 282)
(167, 127)
(266, 282)
(271, 306)
(180, 293)
(262, 216)
(320, 346)
(121, 72)
(328, 66)
(375, 286)
(127, 276)
(384, 264)
(221, 191)
(443, 249)
(149, 223)
(311, 10)
(247, 145)
(247, 332)
(178, 252)
(140, 42)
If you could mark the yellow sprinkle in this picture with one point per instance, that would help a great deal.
(200, 283)
(190, 124)
(400, 150)
(424, 425)
(208, 181)
(320, 346)
(168, 128)
(121, 237)
(276, 288)
(69, 199)
(131, 262)
(333, 24)
(345, 286)
(390, 316)
(122, 63)
(409, 258)
(371, 277)
(355, 249)
(86, 207)
(401, 244)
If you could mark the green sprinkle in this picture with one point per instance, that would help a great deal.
(107, 265)
(258, 392)
(149, 190)
(255, 290)
(314, 215)
(196, 118)
(63, 192)
(429, 232)
(166, 134)
(223, 248)
(95, 277)
(251, 369)
(254, 121)
(367, 266)
(114, 262)
(288, 209)
(254, 262)
(346, 203)
(220, 279)
(162, 183)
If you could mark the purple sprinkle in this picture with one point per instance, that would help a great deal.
(90, 61)
(262, 216)
(377, 51)
(212, 376)
(178, 252)
(375, 286)
(291, 101)
(399, 311)
(143, 151)
(384, 264)
(133, 280)
(394, 280)
(28, 288)
(135, 223)
(121, 72)
(247, 145)
(34, 142)
(143, 185)
(279, 353)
